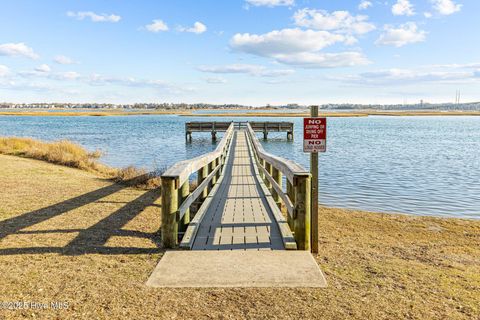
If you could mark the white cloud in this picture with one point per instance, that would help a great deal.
(81, 15)
(298, 47)
(427, 15)
(324, 60)
(364, 4)
(340, 21)
(69, 75)
(4, 71)
(16, 80)
(63, 60)
(455, 73)
(216, 80)
(445, 7)
(157, 26)
(250, 69)
(405, 34)
(22, 86)
(17, 49)
(100, 80)
(270, 3)
(403, 8)
(284, 41)
(45, 68)
(197, 28)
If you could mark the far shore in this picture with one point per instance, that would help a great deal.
(226, 113)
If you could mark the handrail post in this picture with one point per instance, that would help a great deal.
(262, 163)
(302, 211)
(183, 193)
(268, 166)
(219, 171)
(169, 212)
(202, 175)
(277, 176)
(213, 166)
(210, 167)
(291, 195)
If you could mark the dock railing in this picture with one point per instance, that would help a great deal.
(176, 196)
(297, 196)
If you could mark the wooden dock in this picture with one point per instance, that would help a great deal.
(240, 189)
(242, 199)
(213, 127)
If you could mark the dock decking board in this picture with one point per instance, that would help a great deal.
(239, 217)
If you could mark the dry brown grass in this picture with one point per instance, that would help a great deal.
(68, 236)
(61, 152)
(138, 177)
(73, 155)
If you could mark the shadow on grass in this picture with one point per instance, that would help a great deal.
(92, 239)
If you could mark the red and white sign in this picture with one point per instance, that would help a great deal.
(314, 135)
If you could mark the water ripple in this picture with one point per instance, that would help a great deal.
(417, 165)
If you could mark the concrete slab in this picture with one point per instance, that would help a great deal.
(194, 269)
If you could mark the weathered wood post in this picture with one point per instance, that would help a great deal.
(277, 176)
(169, 212)
(183, 193)
(220, 164)
(291, 195)
(202, 175)
(268, 166)
(302, 189)
(213, 165)
(314, 194)
(262, 163)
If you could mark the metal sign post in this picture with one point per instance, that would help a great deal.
(314, 141)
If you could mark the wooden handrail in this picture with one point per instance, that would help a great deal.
(176, 196)
(196, 193)
(297, 198)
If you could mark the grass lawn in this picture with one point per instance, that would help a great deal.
(67, 235)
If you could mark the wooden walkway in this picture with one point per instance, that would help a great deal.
(238, 237)
(239, 216)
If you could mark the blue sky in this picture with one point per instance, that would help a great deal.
(239, 51)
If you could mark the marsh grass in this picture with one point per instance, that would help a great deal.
(70, 154)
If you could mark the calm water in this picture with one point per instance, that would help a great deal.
(418, 165)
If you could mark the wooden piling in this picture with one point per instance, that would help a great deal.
(302, 189)
(262, 163)
(314, 194)
(268, 166)
(277, 176)
(213, 165)
(183, 193)
(202, 175)
(291, 196)
(169, 212)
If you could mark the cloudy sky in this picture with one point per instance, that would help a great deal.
(239, 51)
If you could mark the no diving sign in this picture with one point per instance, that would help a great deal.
(314, 135)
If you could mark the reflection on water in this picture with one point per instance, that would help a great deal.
(419, 165)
